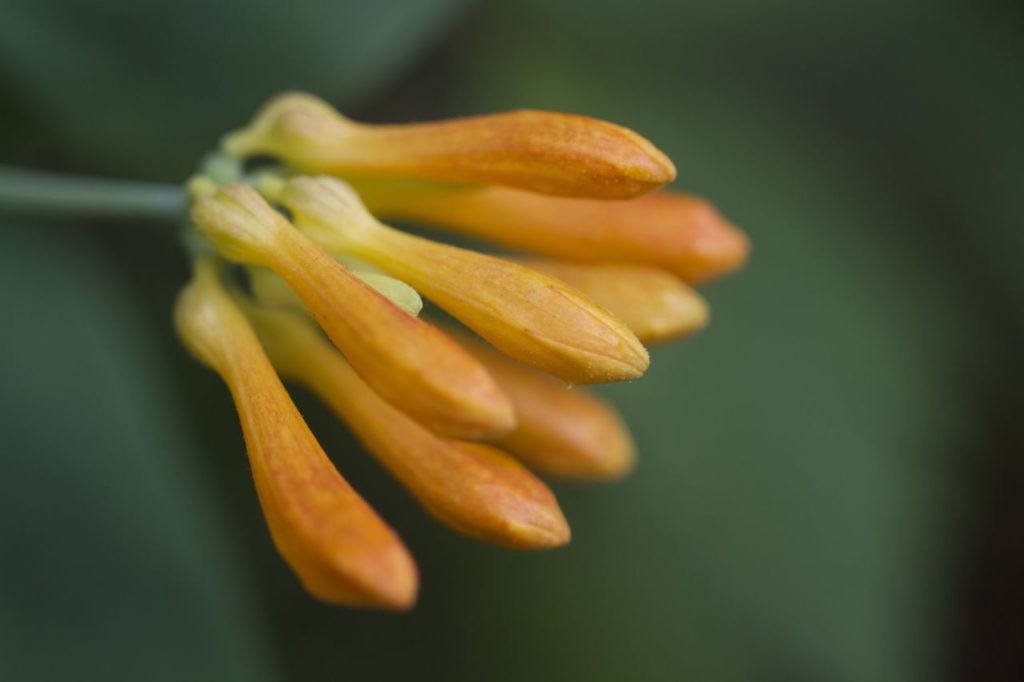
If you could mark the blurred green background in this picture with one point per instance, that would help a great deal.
(830, 474)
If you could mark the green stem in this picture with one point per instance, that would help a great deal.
(51, 194)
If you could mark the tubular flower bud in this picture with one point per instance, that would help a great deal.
(681, 233)
(339, 548)
(654, 304)
(560, 431)
(472, 488)
(559, 154)
(526, 314)
(409, 362)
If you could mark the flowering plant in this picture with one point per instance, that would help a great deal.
(296, 276)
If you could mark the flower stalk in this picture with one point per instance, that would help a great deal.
(52, 194)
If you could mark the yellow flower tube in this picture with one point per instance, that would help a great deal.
(681, 233)
(473, 488)
(527, 315)
(337, 545)
(656, 305)
(560, 431)
(540, 151)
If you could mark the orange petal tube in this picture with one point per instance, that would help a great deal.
(337, 545)
(654, 304)
(409, 362)
(561, 431)
(472, 488)
(558, 154)
(681, 233)
(530, 316)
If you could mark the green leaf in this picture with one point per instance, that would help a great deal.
(793, 513)
(117, 560)
(148, 88)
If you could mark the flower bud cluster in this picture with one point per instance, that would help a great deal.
(325, 294)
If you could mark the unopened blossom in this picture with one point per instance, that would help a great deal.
(337, 545)
(681, 233)
(655, 304)
(540, 151)
(570, 434)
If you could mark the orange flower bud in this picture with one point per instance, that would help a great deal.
(559, 154)
(409, 362)
(654, 304)
(560, 431)
(473, 488)
(681, 233)
(528, 315)
(337, 545)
